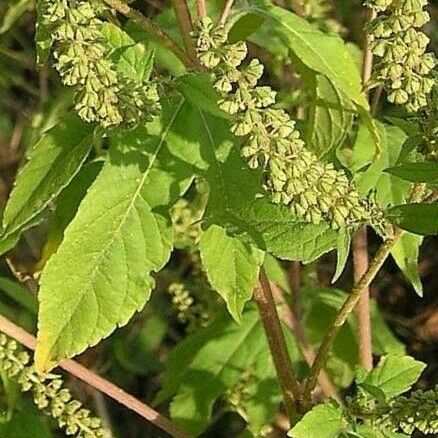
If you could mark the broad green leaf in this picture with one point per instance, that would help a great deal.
(244, 26)
(66, 208)
(53, 162)
(405, 253)
(343, 247)
(101, 273)
(426, 172)
(388, 189)
(421, 218)
(236, 200)
(15, 11)
(330, 117)
(232, 267)
(216, 367)
(323, 421)
(134, 60)
(291, 35)
(394, 375)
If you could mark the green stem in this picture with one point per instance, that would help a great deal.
(277, 344)
(152, 28)
(343, 313)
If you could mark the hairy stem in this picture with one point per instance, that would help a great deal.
(343, 313)
(186, 26)
(360, 259)
(277, 344)
(97, 382)
(226, 12)
(152, 28)
(201, 8)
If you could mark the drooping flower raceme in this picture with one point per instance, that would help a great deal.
(82, 60)
(294, 176)
(403, 66)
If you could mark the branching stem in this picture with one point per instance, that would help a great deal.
(97, 382)
(277, 344)
(226, 12)
(202, 9)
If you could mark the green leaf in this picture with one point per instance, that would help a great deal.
(183, 354)
(15, 11)
(25, 424)
(19, 293)
(134, 60)
(66, 208)
(235, 201)
(101, 273)
(323, 421)
(43, 35)
(198, 90)
(384, 341)
(343, 246)
(421, 218)
(244, 27)
(263, 396)
(388, 189)
(53, 162)
(216, 367)
(405, 253)
(232, 267)
(330, 117)
(394, 375)
(290, 35)
(416, 172)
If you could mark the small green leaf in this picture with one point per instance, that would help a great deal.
(343, 247)
(232, 267)
(25, 424)
(416, 172)
(329, 120)
(244, 27)
(134, 60)
(20, 294)
(15, 11)
(405, 253)
(394, 375)
(53, 162)
(421, 218)
(323, 421)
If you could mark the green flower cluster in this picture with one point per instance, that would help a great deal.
(404, 67)
(48, 393)
(186, 224)
(82, 60)
(293, 175)
(418, 411)
(190, 313)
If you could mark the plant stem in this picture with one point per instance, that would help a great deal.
(226, 12)
(202, 10)
(277, 344)
(152, 28)
(97, 382)
(367, 63)
(186, 26)
(360, 259)
(343, 313)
